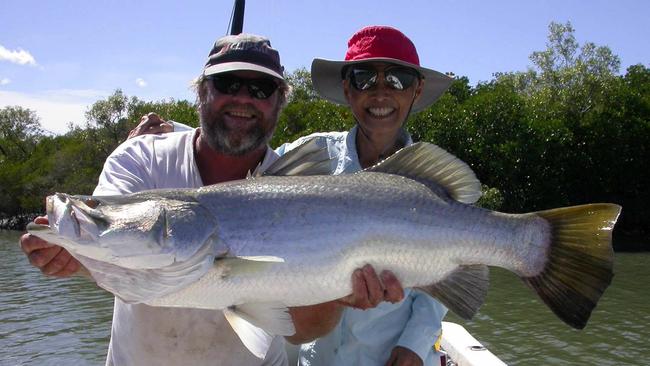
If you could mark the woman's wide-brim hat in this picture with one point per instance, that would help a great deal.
(377, 44)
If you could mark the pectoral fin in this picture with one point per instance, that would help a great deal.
(233, 266)
(256, 323)
(255, 339)
(272, 317)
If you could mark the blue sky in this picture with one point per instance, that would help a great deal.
(59, 57)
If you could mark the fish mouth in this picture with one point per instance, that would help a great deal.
(34, 227)
(72, 216)
(60, 215)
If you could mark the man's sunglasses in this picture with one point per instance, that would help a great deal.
(398, 78)
(260, 88)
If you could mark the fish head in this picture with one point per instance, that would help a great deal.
(132, 231)
(74, 218)
(64, 224)
(72, 223)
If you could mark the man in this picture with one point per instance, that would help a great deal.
(240, 94)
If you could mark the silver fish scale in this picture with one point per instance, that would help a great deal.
(325, 227)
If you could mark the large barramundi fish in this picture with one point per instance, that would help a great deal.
(254, 247)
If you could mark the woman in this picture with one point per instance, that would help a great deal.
(382, 82)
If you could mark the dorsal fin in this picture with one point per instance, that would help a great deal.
(306, 159)
(434, 167)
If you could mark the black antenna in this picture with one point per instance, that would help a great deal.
(237, 19)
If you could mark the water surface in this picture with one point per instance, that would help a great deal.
(46, 321)
(49, 321)
(521, 330)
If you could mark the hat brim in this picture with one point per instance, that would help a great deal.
(239, 66)
(326, 77)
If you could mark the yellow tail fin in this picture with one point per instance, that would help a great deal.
(580, 262)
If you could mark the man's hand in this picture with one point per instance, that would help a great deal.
(368, 289)
(151, 124)
(51, 259)
(402, 356)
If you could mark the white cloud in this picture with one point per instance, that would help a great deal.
(4, 81)
(75, 95)
(19, 56)
(140, 82)
(55, 108)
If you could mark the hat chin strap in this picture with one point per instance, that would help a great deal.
(410, 108)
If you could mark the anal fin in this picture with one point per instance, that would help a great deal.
(463, 291)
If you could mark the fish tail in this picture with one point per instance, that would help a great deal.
(579, 267)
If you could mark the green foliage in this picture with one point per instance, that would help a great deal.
(175, 110)
(302, 88)
(561, 53)
(109, 120)
(491, 199)
(307, 113)
(304, 117)
(19, 132)
(33, 165)
(570, 131)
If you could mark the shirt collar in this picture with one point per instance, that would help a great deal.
(269, 158)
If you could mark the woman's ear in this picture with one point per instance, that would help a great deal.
(346, 89)
(418, 90)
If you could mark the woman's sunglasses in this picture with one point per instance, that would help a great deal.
(398, 78)
(260, 88)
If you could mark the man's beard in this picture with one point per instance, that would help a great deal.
(228, 141)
